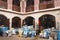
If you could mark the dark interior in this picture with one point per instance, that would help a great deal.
(4, 21)
(29, 5)
(45, 0)
(30, 2)
(47, 21)
(16, 22)
(29, 21)
(16, 2)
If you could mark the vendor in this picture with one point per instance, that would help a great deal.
(2, 25)
(41, 28)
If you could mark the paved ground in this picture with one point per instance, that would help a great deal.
(20, 38)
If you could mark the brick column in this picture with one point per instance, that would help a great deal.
(23, 5)
(9, 4)
(56, 3)
(36, 4)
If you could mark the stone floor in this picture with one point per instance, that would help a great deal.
(20, 38)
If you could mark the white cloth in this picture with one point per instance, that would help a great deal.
(13, 32)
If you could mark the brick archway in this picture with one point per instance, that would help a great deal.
(4, 21)
(16, 22)
(47, 21)
(29, 21)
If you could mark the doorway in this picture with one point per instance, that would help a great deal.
(16, 22)
(47, 21)
(29, 21)
(4, 21)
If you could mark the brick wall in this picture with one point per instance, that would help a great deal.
(45, 5)
(42, 5)
(30, 8)
(16, 8)
(3, 4)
